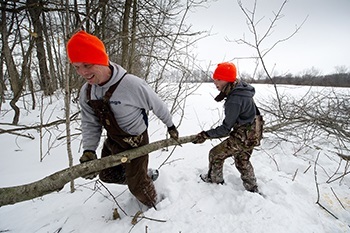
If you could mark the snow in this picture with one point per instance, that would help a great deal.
(285, 175)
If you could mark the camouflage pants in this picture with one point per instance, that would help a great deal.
(232, 146)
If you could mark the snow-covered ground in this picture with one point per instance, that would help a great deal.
(286, 177)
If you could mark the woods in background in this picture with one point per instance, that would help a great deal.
(148, 38)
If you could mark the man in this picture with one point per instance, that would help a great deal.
(119, 102)
(240, 115)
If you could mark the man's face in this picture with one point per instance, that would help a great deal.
(92, 73)
(220, 84)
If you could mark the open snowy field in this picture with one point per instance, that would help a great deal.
(285, 172)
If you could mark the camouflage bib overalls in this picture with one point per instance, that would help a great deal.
(239, 145)
(134, 173)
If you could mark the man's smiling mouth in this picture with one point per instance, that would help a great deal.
(91, 77)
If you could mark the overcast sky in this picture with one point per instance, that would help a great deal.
(322, 43)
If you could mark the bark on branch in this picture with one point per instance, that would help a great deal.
(56, 181)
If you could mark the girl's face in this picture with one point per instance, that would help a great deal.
(92, 73)
(220, 84)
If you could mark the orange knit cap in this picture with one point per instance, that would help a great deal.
(87, 48)
(225, 71)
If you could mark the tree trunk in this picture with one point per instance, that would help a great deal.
(125, 33)
(35, 10)
(67, 101)
(49, 44)
(132, 49)
(2, 84)
(15, 81)
(56, 181)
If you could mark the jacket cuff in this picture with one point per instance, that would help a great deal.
(90, 151)
(206, 134)
(171, 128)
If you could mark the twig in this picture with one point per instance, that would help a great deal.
(140, 215)
(273, 159)
(307, 168)
(95, 190)
(171, 153)
(327, 210)
(339, 177)
(135, 217)
(152, 219)
(337, 198)
(335, 172)
(318, 191)
(295, 174)
(58, 230)
(115, 200)
(345, 157)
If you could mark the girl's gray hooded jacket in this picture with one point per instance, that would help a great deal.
(239, 109)
(129, 102)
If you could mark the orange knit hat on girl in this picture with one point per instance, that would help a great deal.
(225, 71)
(87, 48)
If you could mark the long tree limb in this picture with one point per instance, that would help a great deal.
(56, 181)
(38, 126)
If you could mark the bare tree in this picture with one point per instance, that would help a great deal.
(148, 38)
(341, 69)
(16, 78)
(256, 44)
(35, 9)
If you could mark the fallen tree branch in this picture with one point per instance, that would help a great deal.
(56, 181)
(18, 134)
(38, 126)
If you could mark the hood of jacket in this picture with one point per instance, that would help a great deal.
(243, 89)
(239, 88)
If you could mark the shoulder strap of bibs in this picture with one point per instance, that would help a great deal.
(109, 91)
(88, 92)
(112, 88)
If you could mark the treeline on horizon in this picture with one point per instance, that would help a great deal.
(333, 80)
(340, 79)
